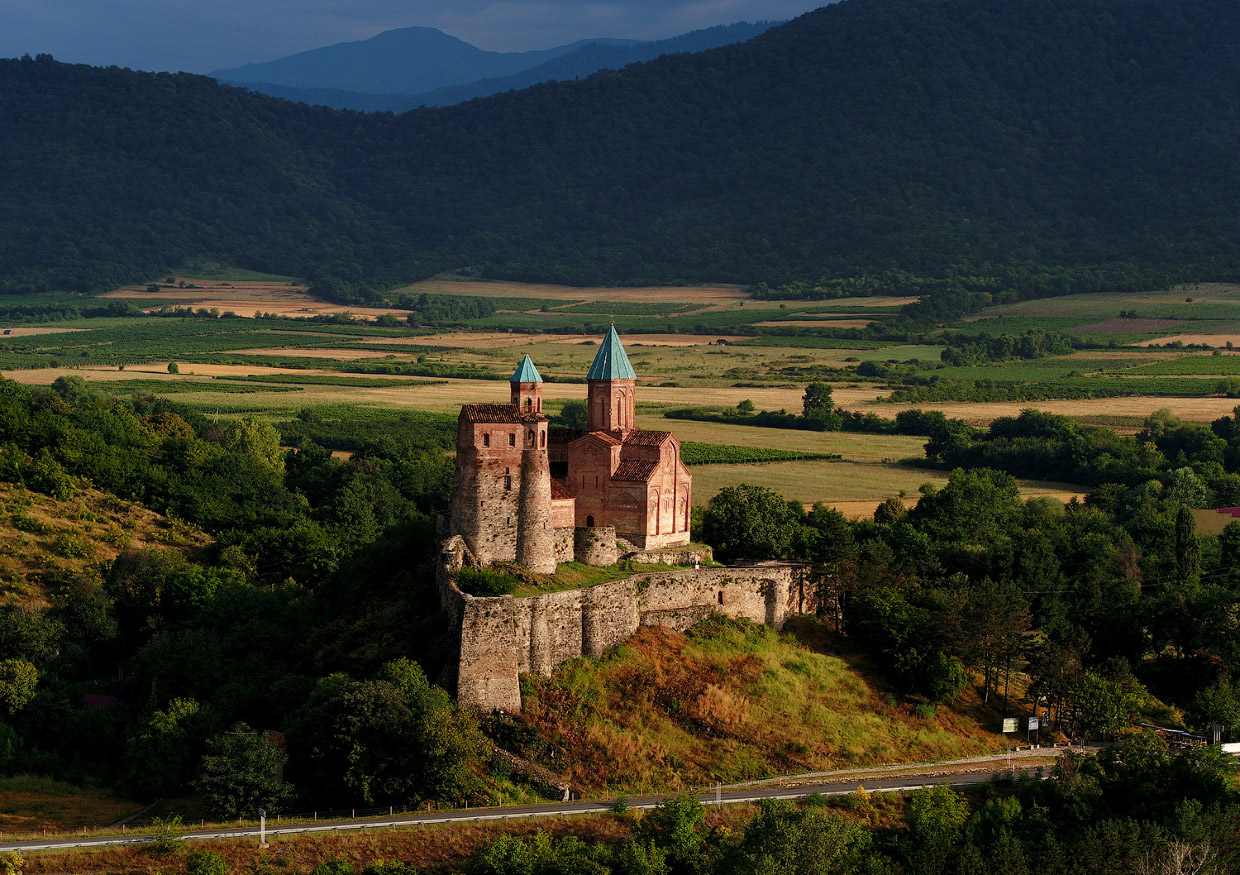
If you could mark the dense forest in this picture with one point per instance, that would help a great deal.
(955, 137)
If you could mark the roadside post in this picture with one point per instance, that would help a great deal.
(262, 827)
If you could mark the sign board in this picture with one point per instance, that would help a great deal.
(1009, 724)
(1033, 724)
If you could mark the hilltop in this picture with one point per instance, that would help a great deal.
(390, 65)
(935, 136)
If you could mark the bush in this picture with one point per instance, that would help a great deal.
(173, 368)
(206, 863)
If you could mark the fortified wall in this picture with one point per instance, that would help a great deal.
(503, 637)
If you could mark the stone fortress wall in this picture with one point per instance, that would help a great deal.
(504, 636)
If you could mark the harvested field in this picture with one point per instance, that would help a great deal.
(1128, 326)
(504, 340)
(1194, 409)
(818, 323)
(245, 298)
(851, 446)
(703, 295)
(1224, 337)
(810, 482)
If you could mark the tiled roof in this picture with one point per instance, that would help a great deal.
(559, 490)
(602, 436)
(635, 470)
(496, 413)
(526, 372)
(641, 438)
(610, 363)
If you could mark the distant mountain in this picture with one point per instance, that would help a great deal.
(404, 61)
(931, 135)
(590, 59)
(582, 61)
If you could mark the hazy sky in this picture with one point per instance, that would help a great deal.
(203, 35)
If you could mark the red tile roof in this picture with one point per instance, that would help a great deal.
(635, 470)
(641, 438)
(497, 413)
(559, 490)
(602, 436)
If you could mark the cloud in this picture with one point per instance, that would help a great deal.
(203, 35)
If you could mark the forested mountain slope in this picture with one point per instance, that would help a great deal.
(927, 134)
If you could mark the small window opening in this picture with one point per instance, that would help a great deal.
(720, 596)
(486, 440)
(542, 439)
(528, 404)
(512, 440)
(590, 521)
(507, 482)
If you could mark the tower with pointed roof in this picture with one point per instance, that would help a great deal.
(612, 383)
(526, 385)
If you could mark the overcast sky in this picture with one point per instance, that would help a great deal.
(202, 35)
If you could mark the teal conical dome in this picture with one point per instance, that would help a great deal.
(526, 372)
(611, 363)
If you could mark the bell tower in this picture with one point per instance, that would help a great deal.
(526, 384)
(612, 382)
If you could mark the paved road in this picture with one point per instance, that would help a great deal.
(516, 812)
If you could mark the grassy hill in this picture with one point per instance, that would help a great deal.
(42, 537)
(933, 136)
(731, 698)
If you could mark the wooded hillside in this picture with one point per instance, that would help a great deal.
(934, 136)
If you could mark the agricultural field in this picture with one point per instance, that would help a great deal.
(679, 342)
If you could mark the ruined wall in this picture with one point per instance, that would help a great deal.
(502, 637)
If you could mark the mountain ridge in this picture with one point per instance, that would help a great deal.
(401, 61)
(938, 137)
(584, 60)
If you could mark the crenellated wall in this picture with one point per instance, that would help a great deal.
(502, 637)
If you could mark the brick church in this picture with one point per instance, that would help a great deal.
(535, 495)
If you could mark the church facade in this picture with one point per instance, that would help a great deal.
(535, 495)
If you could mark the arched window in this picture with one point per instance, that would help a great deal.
(528, 404)
(542, 439)
(531, 437)
(590, 521)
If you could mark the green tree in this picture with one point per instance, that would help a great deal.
(784, 838)
(160, 759)
(242, 771)
(818, 407)
(173, 368)
(936, 818)
(19, 680)
(255, 439)
(1103, 706)
(752, 522)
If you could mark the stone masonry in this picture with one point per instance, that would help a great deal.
(503, 637)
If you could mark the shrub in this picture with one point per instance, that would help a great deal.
(206, 863)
